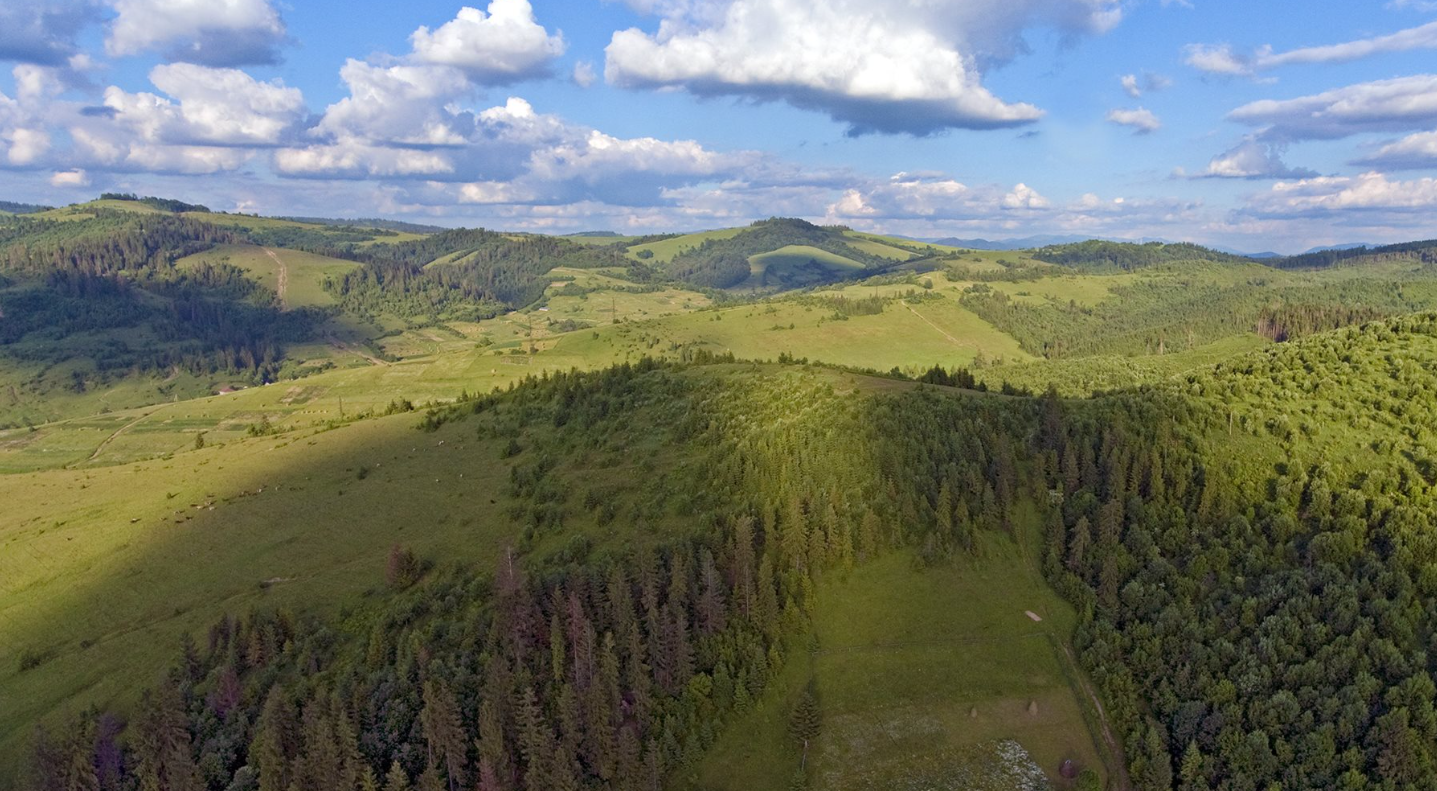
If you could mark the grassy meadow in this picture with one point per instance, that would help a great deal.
(919, 673)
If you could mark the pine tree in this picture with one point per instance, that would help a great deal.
(80, 774)
(1191, 775)
(743, 564)
(557, 646)
(869, 536)
(367, 780)
(274, 741)
(805, 719)
(711, 607)
(443, 732)
(397, 779)
(163, 751)
(493, 752)
(535, 739)
(1078, 546)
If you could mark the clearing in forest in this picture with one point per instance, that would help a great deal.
(926, 678)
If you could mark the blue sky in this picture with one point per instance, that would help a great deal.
(1249, 125)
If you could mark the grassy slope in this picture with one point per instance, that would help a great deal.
(790, 264)
(1086, 375)
(99, 573)
(902, 657)
(915, 336)
(305, 272)
(665, 249)
(442, 361)
(904, 244)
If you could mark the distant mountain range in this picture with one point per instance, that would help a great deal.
(1044, 240)
(371, 222)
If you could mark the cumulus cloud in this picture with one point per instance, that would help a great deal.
(1253, 158)
(398, 104)
(25, 139)
(70, 179)
(908, 66)
(1342, 195)
(1024, 197)
(1394, 105)
(931, 197)
(203, 120)
(584, 75)
(1223, 59)
(224, 107)
(503, 46)
(1141, 120)
(208, 32)
(505, 154)
(1219, 59)
(1136, 85)
(1413, 152)
(42, 31)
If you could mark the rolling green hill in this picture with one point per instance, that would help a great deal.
(783, 506)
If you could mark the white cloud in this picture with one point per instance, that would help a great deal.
(209, 32)
(398, 104)
(105, 147)
(1141, 120)
(225, 107)
(1149, 82)
(1223, 59)
(1253, 158)
(209, 120)
(354, 159)
(597, 155)
(25, 145)
(42, 32)
(1024, 197)
(584, 75)
(1345, 195)
(1383, 106)
(70, 178)
(1412, 152)
(503, 46)
(1217, 59)
(910, 66)
(930, 197)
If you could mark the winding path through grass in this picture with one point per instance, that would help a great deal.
(930, 323)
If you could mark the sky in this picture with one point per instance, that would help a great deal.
(1252, 126)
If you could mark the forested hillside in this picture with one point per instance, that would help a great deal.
(1098, 255)
(1423, 252)
(481, 274)
(725, 262)
(104, 292)
(1190, 305)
